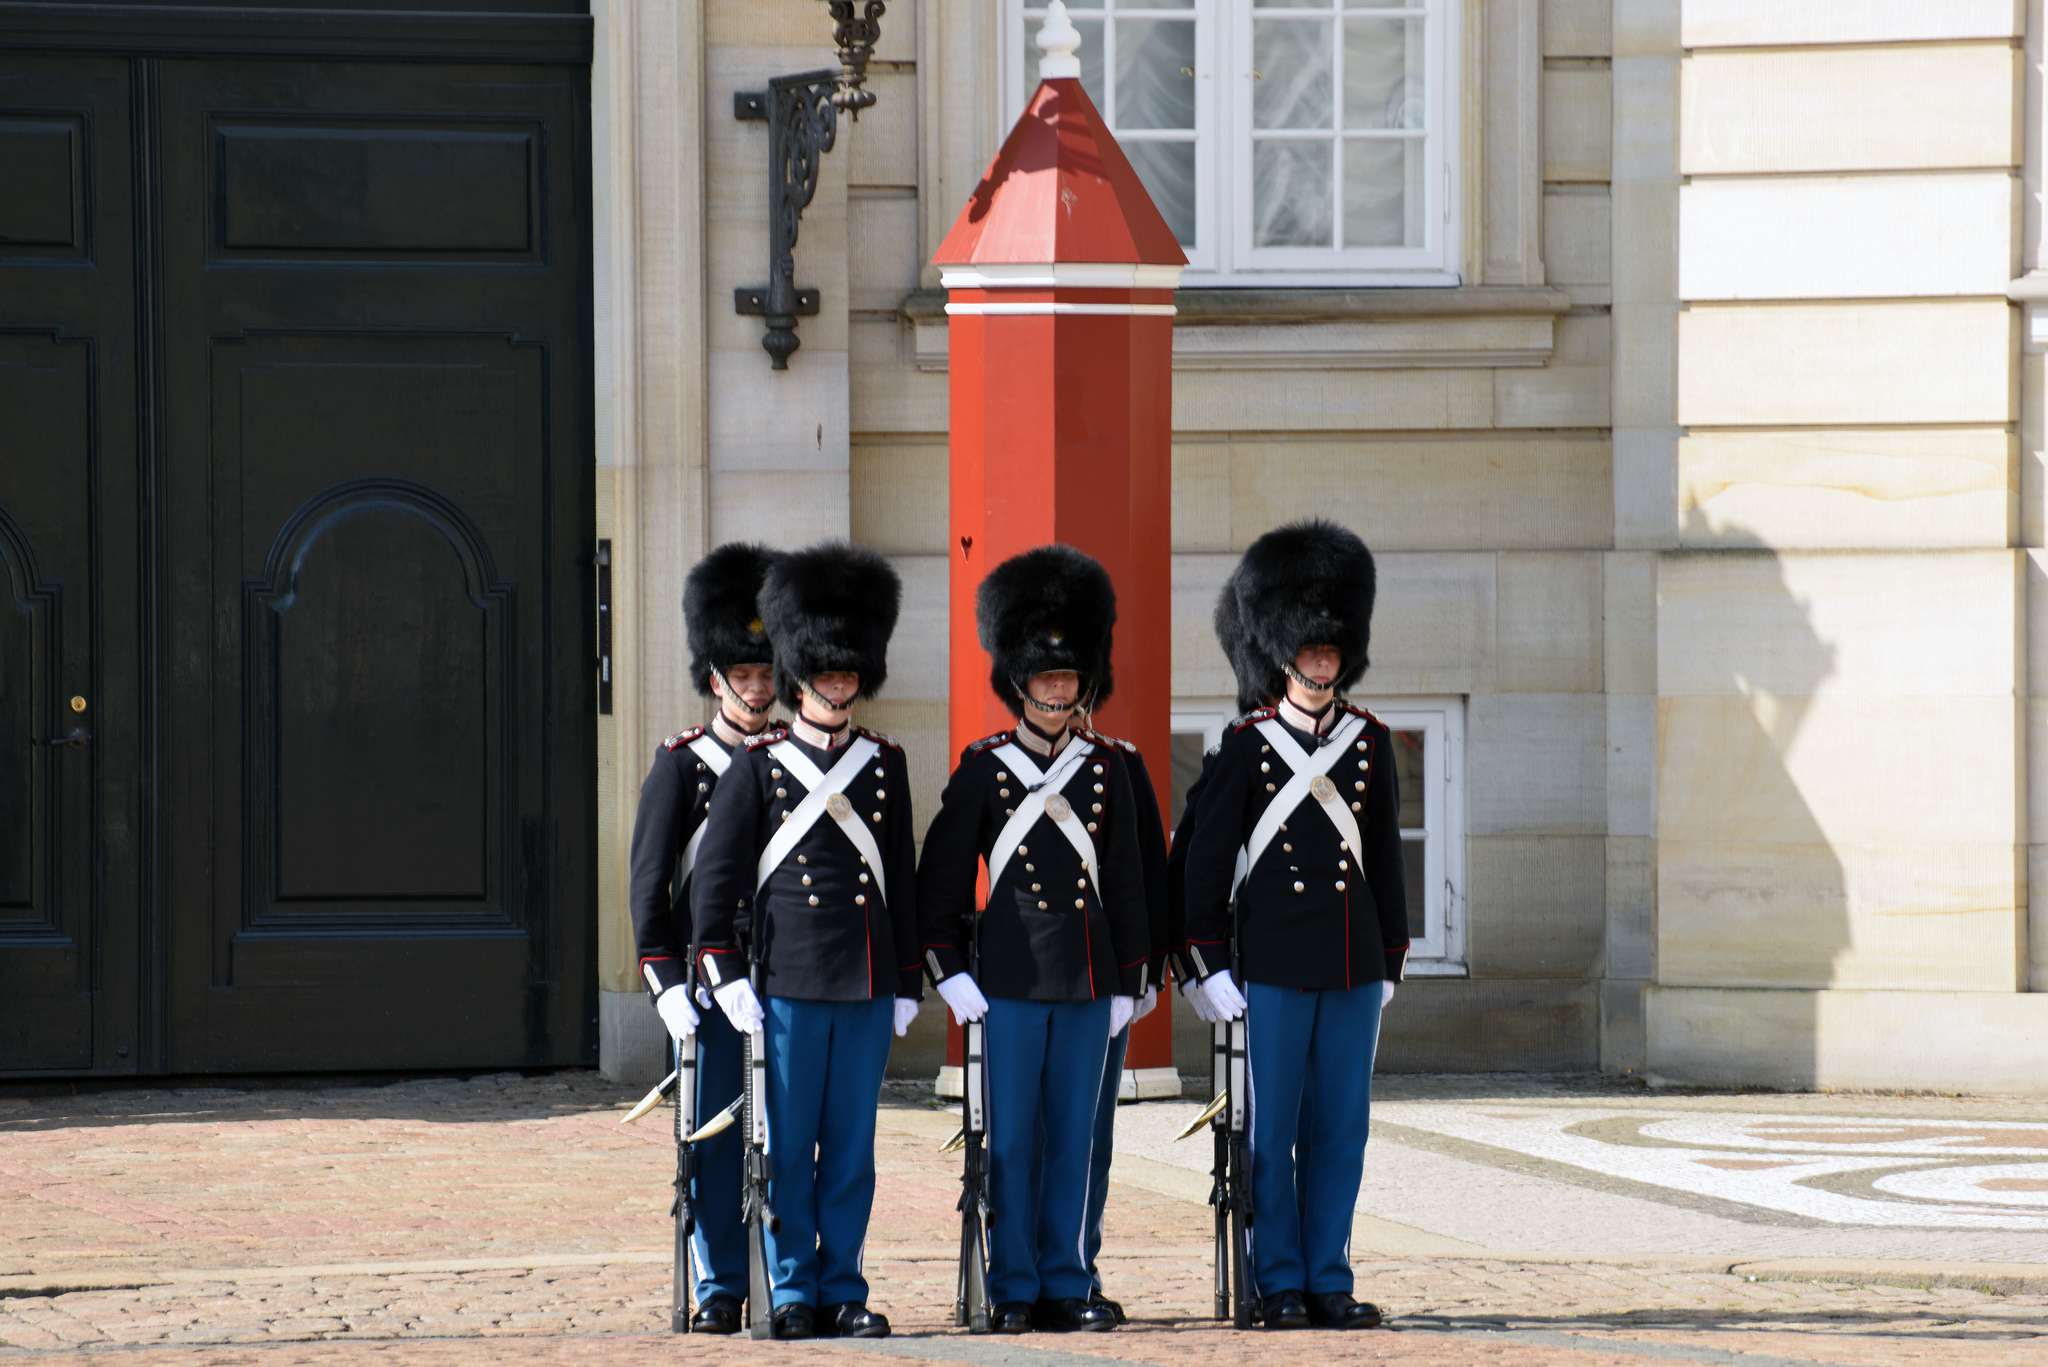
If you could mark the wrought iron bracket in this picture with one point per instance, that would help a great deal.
(803, 121)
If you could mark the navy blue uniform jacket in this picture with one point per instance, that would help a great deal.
(1048, 934)
(677, 789)
(823, 930)
(1339, 929)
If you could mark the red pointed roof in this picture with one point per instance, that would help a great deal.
(1060, 190)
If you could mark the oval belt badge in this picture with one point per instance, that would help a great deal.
(839, 806)
(1058, 808)
(1322, 789)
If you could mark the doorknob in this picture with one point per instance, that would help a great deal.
(78, 739)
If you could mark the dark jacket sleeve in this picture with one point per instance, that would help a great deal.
(722, 885)
(1212, 855)
(899, 853)
(1151, 832)
(1123, 883)
(947, 873)
(1383, 853)
(1177, 877)
(660, 922)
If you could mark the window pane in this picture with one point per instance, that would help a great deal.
(1382, 73)
(1168, 170)
(1293, 61)
(1155, 73)
(1290, 4)
(1187, 767)
(1383, 193)
(1408, 768)
(1415, 873)
(1291, 199)
(1383, 4)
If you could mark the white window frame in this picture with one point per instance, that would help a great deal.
(1436, 936)
(1223, 254)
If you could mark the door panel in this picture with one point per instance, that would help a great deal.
(379, 491)
(68, 821)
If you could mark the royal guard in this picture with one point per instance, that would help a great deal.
(1063, 941)
(1299, 826)
(730, 660)
(811, 843)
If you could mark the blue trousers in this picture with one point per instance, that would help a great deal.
(1105, 1147)
(1044, 1069)
(825, 1066)
(720, 1242)
(1321, 1043)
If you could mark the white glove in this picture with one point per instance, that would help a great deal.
(740, 1005)
(1386, 994)
(1224, 998)
(964, 997)
(1146, 1003)
(1192, 990)
(677, 1012)
(906, 1012)
(1120, 1009)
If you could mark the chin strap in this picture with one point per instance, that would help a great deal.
(1306, 682)
(806, 691)
(734, 695)
(1078, 706)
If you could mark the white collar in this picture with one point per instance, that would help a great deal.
(1039, 745)
(1302, 721)
(728, 734)
(811, 734)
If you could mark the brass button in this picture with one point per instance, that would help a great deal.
(860, 899)
(1009, 811)
(1097, 808)
(703, 787)
(814, 896)
(1022, 850)
(878, 773)
(1354, 806)
(1298, 887)
(1098, 787)
(1080, 901)
(1286, 847)
(1340, 885)
(782, 792)
(877, 818)
(863, 878)
(1269, 787)
(1361, 745)
(807, 880)
(1035, 888)
(1098, 768)
(1091, 825)
(1264, 767)
(1041, 906)
(1031, 868)
(1080, 882)
(1002, 792)
(775, 773)
(1358, 787)
(1343, 864)
(1002, 777)
(881, 794)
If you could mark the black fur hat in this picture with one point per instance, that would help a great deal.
(830, 608)
(722, 611)
(1050, 608)
(1307, 583)
(1258, 679)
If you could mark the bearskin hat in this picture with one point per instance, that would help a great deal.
(1257, 678)
(1307, 583)
(830, 608)
(1048, 609)
(722, 611)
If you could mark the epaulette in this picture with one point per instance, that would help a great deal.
(1256, 715)
(987, 742)
(683, 737)
(1355, 710)
(1089, 733)
(778, 731)
(878, 738)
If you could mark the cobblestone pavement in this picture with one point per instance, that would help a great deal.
(511, 1219)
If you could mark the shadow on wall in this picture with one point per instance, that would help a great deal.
(1752, 892)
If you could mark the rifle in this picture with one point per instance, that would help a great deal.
(686, 1174)
(970, 1305)
(759, 1214)
(1231, 1190)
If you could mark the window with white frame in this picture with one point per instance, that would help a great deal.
(1429, 747)
(1284, 141)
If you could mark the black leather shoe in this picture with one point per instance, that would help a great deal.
(1011, 1317)
(1284, 1310)
(851, 1320)
(792, 1321)
(719, 1315)
(1115, 1308)
(1072, 1316)
(1336, 1310)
